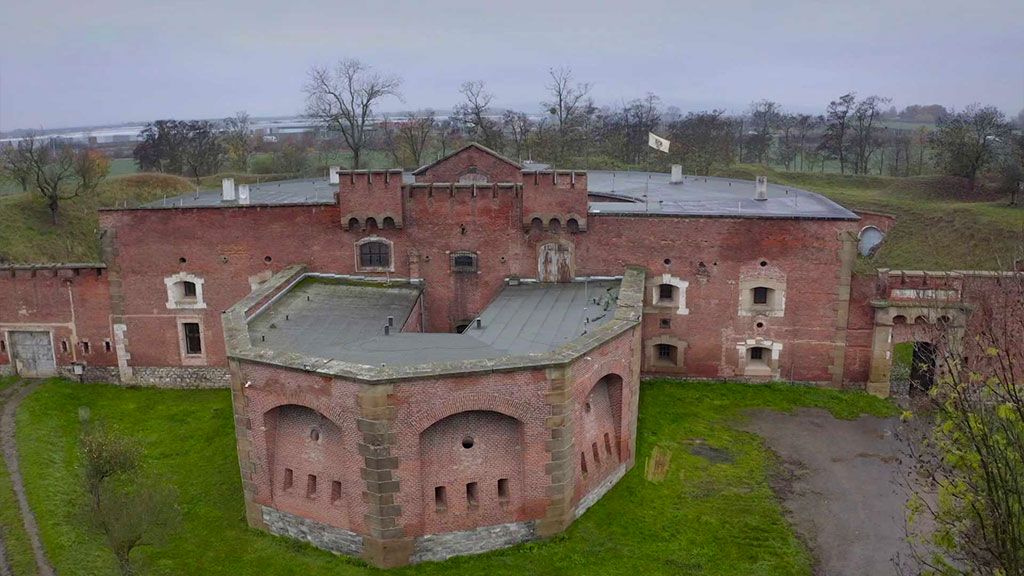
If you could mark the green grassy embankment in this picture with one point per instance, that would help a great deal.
(939, 226)
(703, 517)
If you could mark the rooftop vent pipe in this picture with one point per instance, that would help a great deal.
(762, 188)
(227, 189)
(243, 193)
(677, 174)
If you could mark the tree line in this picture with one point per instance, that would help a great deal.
(854, 134)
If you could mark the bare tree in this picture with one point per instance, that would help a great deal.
(805, 125)
(203, 151)
(343, 100)
(864, 133)
(408, 140)
(570, 105)
(837, 125)
(702, 141)
(640, 117)
(58, 171)
(238, 140)
(518, 126)
(129, 511)
(764, 118)
(965, 143)
(474, 113)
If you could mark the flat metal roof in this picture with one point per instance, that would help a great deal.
(652, 193)
(338, 320)
(706, 196)
(276, 193)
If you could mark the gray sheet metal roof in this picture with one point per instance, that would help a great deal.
(706, 196)
(339, 321)
(279, 193)
(654, 196)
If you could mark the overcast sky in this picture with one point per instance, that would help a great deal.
(105, 61)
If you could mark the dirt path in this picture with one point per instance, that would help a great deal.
(842, 487)
(10, 399)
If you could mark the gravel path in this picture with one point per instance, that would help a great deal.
(10, 399)
(842, 485)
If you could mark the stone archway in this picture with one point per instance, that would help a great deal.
(916, 322)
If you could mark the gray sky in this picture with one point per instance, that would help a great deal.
(103, 61)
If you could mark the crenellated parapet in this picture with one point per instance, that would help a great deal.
(370, 199)
(555, 201)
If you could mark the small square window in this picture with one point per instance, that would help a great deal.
(666, 292)
(757, 353)
(664, 323)
(760, 295)
(85, 347)
(106, 345)
(188, 290)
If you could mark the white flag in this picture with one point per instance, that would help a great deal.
(657, 142)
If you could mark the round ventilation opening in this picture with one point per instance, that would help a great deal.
(668, 261)
(182, 260)
(764, 263)
(467, 442)
(314, 435)
(760, 324)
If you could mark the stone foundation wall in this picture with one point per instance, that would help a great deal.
(90, 374)
(319, 535)
(182, 377)
(437, 547)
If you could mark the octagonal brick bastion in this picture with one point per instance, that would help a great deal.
(398, 446)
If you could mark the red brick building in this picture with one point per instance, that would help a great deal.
(449, 361)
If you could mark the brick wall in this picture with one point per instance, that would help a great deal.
(72, 303)
(487, 164)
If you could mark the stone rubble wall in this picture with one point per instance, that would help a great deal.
(437, 547)
(320, 535)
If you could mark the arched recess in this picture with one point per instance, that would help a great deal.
(598, 449)
(306, 464)
(471, 470)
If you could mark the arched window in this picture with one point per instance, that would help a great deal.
(371, 223)
(572, 225)
(184, 290)
(353, 223)
(537, 224)
(388, 222)
(375, 254)
(555, 225)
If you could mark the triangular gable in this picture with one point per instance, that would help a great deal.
(461, 151)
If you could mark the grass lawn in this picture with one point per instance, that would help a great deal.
(19, 550)
(702, 518)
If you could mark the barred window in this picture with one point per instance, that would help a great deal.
(464, 262)
(193, 338)
(374, 255)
